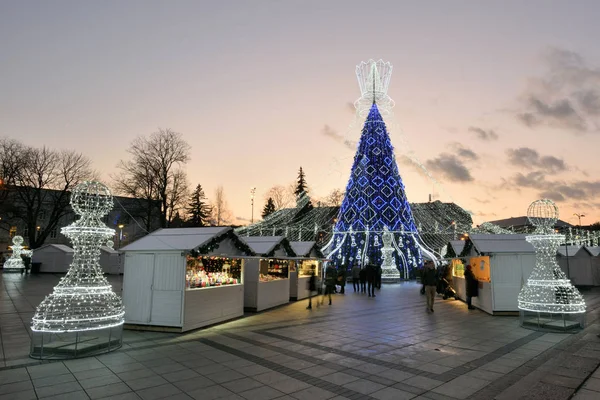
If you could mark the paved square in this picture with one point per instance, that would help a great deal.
(387, 347)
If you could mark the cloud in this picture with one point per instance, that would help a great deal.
(464, 152)
(566, 96)
(449, 166)
(484, 201)
(529, 158)
(556, 190)
(483, 134)
(333, 134)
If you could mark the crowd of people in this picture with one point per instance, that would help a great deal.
(364, 280)
(368, 278)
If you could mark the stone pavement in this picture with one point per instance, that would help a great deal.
(386, 347)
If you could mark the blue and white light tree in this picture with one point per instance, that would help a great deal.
(375, 213)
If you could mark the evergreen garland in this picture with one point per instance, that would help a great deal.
(213, 244)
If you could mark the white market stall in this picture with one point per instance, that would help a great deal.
(54, 258)
(309, 258)
(595, 263)
(266, 278)
(184, 278)
(501, 264)
(110, 261)
(576, 263)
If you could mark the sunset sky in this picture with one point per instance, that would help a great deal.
(500, 101)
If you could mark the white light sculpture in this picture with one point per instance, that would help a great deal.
(389, 270)
(374, 81)
(83, 300)
(15, 262)
(548, 291)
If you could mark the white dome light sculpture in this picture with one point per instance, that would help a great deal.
(15, 262)
(82, 316)
(548, 300)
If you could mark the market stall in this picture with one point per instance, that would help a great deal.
(309, 257)
(266, 279)
(575, 262)
(110, 260)
(595, 263)
(500, 263)
(184, 278)
(54, 258)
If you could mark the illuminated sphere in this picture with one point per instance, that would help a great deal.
(92, 199)
(18, 240)
(543, 213)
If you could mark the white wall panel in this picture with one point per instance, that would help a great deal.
(137, 287)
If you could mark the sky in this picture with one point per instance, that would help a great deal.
(499, 101)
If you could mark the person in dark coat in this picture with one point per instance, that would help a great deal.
(312, 288)
(341, 278)
(472, 286)
(378, 277)
(371, 277)
(363, 279)
(430, 283)
(330, 280)
(356, 277)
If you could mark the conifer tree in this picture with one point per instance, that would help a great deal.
(301, 185)
(198, 208)
(269, 208)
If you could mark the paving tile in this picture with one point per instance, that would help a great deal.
(339, 378)
(123, 396)
(270, 377)
(364, 386)
(23, 395)
(396, 375)
(224, 376)
(136, 374)
(261, 393)
(592, 384)
(84, 364)
(108, 391)
(180, 375)
(62, 388)
(422, 382)
(99, 381)
(15, 387)
(241, 385)
(312, 393)
(210, 393)
(50, 369)
(53, 380)
(13, 375)
(585, 394)
(118, 368)
(195, 383)
(146, 382)
(289, 385)
(390, 393)
(159, 392)
(79, 395)
(92, 373)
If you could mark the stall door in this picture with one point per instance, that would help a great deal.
(167, 290)
(137, 281)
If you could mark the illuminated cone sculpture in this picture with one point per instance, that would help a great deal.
(548, 300)
(83, 302)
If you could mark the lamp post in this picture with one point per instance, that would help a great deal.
(579, 216)
(121, 226)
(252, 192)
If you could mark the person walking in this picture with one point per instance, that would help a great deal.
(371, 276)
(378, 277)
(330, 278)
(356, 277)
(430, 281)
(341, 278)
(362, 276)
(312, 288)
(472, 286)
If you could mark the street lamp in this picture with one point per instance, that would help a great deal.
(121, 226)
(579, 216)
(252, 192)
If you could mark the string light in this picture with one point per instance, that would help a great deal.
(83, 300)
(548, 290)
(15, 262)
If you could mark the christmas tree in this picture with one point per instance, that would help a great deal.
(375, 209)
(269, 208)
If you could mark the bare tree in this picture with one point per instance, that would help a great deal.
(42, 189)
(282, 196)
(177, 195)
(220, 209)
(12, 154)
(152, 172)
(335, 198)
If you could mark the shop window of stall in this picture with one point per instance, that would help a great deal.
(307, 267)
(207, 272)
(274, 269)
